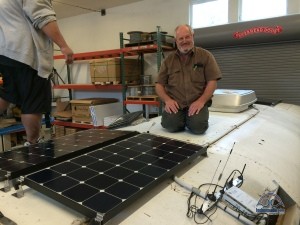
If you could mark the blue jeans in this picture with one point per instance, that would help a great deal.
(174, 122)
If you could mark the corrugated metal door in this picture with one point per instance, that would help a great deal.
(271, 70)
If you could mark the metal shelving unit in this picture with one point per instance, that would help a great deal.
(122, 52)
(139, 50)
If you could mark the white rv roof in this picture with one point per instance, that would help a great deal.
(267, 140)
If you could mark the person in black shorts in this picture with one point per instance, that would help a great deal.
(28, 30)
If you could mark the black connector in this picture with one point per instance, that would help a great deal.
(212, 197)
(200, 211)
(229, 184)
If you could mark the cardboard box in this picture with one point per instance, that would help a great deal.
(108, 71)
(69, 130)
(62, 110)
(59, 131)
(100, 112)
(8, 122)
(81, 111)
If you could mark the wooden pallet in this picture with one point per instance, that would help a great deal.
(82, 122)
(143, 98)
(106, 83)
(130, 82)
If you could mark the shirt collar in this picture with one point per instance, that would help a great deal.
(190, 53)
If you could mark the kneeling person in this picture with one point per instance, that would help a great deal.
(186, 82)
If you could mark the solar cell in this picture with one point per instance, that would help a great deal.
(28, 159)
(102, 182)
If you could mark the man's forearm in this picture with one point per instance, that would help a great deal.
(209, 91)
(52, 31)
(160, 91)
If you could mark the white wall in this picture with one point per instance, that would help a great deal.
(93, 32)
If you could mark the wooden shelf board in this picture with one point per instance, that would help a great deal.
(109, 87)
(127, 51)
(93, 55)
(138, 102)
(75, 125)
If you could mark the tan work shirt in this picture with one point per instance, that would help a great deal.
(185, 81)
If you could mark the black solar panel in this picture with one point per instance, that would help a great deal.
(28, 159)
(101, 183)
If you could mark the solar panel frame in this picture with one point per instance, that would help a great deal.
(145, 175)
(27, 159)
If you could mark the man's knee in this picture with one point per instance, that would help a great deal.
(173, 127)
(173, 122)
(198, 128)
(3, 105)
(198, 123)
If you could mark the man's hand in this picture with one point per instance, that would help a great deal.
(68, 53)
(171, 106)
(195, 107)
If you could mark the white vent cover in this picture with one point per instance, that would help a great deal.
(226, 100)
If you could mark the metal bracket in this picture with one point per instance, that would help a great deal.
(7, 184)
(18, 187)
(6, 221)
(98, 219)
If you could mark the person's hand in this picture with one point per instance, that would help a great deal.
(171, 106)
(195, 107)
(68, 53)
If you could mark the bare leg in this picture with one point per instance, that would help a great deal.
(3, 105)
(32, 124)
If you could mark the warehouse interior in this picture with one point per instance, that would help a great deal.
(243, 170)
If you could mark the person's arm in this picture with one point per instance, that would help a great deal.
(51, 29)
(170, 104)
(197, 105)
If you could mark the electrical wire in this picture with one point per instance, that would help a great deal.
(226, 182)
(192, 210)
(252, 217)
(77, 6)
(208, 217)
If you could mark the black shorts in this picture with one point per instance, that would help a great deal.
(23, 87)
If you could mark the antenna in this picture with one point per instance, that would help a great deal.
(210, 199)
(148, 131)
(212, 179)
(221, 174)
(244, 168)
(226, 162)
(206, 204)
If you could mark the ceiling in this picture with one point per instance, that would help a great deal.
(69, 8)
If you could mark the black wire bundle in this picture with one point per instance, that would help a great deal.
(193, 210)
